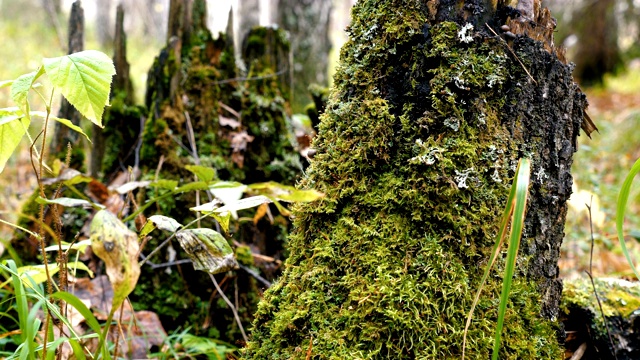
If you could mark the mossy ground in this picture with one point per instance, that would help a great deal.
(415, 153)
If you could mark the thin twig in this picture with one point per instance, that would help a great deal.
(233, 309)
(249, 271)
(262, 77)
(512, 53)
(604, 319)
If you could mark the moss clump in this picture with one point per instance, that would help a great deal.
(415, 155)
(196, 84)
(583, 319)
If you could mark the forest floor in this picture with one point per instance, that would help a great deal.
(599, 168)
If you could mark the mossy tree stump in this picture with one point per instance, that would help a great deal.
(239, 127)
(428, 116)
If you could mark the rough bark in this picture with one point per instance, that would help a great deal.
(307, 22)
(62, 134)
(429, 114)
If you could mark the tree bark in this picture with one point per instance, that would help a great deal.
(115, 145)
(429, 114)
(62, 134)
(307, 22)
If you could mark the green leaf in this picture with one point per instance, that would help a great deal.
(193, 186)
(117, 246)
(84, 78)
(223, 220)
(62, 121)
(69, 177)
(203, 173)
(20, 89)
(285, 192)
(621, 208)
(39, 275)
(12, 129)
(165, 184)
(5, 83)
(241, 204)
(81, 246)
(159, 222)
(69, 202)
(208, 250)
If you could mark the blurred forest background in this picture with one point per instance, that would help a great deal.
(601, 37)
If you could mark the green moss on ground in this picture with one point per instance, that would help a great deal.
(415, 161)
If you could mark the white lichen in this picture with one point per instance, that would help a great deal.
(465, 34)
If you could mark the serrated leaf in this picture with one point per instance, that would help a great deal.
(69, 202)
(12, 130)
(208, 250)
(84, 79)
(20, 89)
(203, 173)
(159, 222)
(62, 121)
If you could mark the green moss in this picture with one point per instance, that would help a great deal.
(618, 298)
(203, 95)
(244, 256)
(415, 166)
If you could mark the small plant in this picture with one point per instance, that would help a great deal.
(84, 80)
(513, 213)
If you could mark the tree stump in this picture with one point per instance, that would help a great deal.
(432, 106)
(205, 111)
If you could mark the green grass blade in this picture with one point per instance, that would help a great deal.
(522, 191)
(621, 208)
(81, 307)
(22, 306)
(504, 223)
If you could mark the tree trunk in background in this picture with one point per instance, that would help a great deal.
(104, 25)
(416, 150)
(596, 26)
(115, 147)
(245, 17)
(307, 22)
(62, 134)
